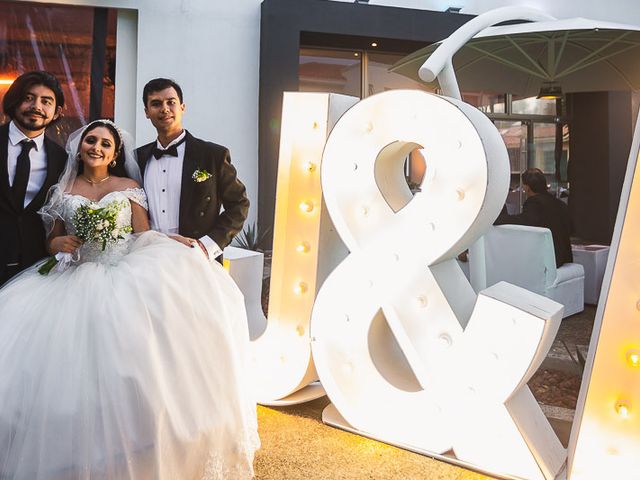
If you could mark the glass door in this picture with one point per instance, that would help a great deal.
(515, 135)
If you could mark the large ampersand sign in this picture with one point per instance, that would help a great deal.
(403, 346)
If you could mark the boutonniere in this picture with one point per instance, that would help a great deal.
(200, 176)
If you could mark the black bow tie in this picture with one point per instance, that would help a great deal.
(172, 151)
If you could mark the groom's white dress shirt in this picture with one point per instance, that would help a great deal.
(37, 158)
(163, 184)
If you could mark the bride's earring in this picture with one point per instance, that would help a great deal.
(113, 164)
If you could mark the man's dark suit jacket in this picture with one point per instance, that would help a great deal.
(544, 210)
(22, 235)
(200, 203)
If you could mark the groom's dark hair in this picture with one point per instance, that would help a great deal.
(158, 84)
(18, 90)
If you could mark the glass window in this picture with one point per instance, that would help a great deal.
(543, 151)
(533, 106)
(333, 71)
(486, 102)
(515, 134)
(60, 40)
(380, 79)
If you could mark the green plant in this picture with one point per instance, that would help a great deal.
(252, 239)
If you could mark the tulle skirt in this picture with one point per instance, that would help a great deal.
(135, 370)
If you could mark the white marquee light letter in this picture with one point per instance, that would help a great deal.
(305, 248)
(605, 440)
(403, 349)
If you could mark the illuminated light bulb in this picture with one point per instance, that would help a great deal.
(6, 81)
(300, 330)
(422, 301)
(623, 408)
(445, 340)
(633, 357)
(374, 44)
(306, 206)
(460, 194)
(368, 127)
(310, 167)
(300, 288)
(303, 247)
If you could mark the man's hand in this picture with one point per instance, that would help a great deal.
(190, 242)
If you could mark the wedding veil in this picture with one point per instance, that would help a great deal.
(53, 207)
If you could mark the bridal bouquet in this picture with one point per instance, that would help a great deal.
(92, 223)
(99, 224)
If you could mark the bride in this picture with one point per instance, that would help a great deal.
(131, 362)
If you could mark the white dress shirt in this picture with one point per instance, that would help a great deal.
(37, 158)
(163, 184)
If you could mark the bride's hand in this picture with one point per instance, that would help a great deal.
(65, 244)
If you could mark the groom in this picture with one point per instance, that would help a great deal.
(188, 180)
(30, 163)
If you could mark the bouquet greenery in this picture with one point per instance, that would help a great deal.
(94, 224)
(99, 224)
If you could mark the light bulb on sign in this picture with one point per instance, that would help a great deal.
(303, 247)
(300, 288)
(623, 408)
(633, 357)
(306, 206)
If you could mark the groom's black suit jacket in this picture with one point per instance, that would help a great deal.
(22, 235)
(200, 203)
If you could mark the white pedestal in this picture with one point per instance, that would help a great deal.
(246, 267)
(594, 260)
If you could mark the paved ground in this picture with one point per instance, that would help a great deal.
(297, 445)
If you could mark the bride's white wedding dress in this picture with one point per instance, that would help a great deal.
(131, 364)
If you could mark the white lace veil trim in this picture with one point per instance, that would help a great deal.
(53, 207)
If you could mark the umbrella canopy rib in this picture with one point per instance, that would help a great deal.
(536, 73)
(527, 57)
(565, 39)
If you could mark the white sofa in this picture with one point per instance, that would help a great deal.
(524, 256)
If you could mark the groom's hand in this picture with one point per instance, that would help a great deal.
(190, 242)
(65, 244)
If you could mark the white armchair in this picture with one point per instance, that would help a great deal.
(524, 256)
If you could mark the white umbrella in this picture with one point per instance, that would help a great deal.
(578, 54)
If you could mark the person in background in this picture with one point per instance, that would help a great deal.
(541, 209)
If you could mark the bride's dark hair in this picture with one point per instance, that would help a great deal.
(118, 170)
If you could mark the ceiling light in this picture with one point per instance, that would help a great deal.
(550, 91)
